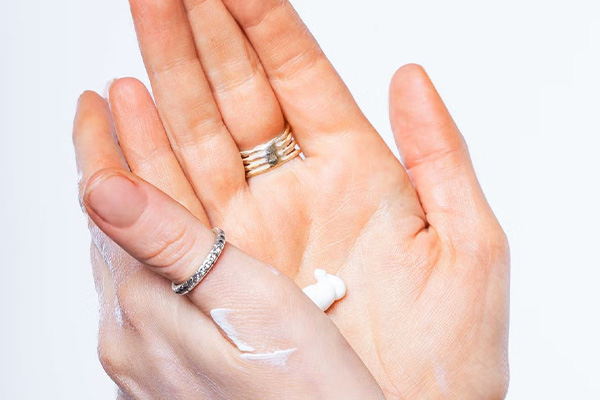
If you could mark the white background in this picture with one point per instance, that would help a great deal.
(522, 79)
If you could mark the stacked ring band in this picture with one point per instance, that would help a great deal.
(272, 154)
(205, 267)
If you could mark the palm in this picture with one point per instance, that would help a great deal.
(350, 222)
(425, 269)
(409, 309)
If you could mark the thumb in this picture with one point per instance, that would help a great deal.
(147, 223)
(435, 154)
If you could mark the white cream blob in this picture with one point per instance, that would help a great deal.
(219, 315)
(326, 291)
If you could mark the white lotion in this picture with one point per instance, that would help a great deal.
(277, 358)
(326, 291)
(219, 315)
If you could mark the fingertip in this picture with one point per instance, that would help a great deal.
(91, 113)
(409, 74)
(128, 95)
(87, 103)
(411, 87)
(89, 97)
(127, 88)
(88, 100)
(416, 107)
(86, 95)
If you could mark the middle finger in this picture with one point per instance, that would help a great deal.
(200, 139)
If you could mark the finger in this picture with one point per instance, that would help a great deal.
(245, 98)
(96, 147)
(313, 97)
(202, 144)
(145, 144)
(434, 153)
(94, 138)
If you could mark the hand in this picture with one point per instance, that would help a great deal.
(423, 257)
(246, 332)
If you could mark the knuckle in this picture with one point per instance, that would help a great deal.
(295, 65)
(195, 5)
(116, 360)
(175, 66)
(202, 127)
(112, 355)
(240, 78)
(254, 13)
(172, 247)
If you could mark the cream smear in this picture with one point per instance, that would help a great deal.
(276, 358)
(219, 315)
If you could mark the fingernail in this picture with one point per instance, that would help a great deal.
(106, 93)
(116, 199)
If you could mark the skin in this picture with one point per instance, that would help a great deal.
(424, 259)
(157, 345)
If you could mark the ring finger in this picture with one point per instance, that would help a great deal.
(207, 81)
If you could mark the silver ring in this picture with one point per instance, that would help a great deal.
(205, 267)
(272, 154)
